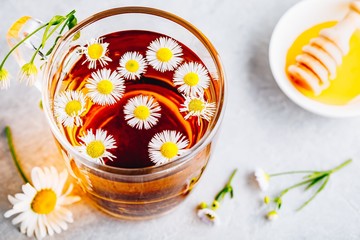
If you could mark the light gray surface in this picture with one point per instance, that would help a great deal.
(262, 128)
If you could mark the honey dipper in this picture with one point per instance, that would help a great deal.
(319, 59)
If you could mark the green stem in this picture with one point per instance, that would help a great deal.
(283, 192)
(228, 188)
(340, 166)
(66, 20)
(291, 172)
(13, 154)
(19, 43)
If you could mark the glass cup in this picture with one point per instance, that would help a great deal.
(129, 193)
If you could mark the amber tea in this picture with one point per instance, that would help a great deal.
(136, 99)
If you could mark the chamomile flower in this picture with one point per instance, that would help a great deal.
(191, 78)
(95, 51)
(68, 107)
(262, 178)
(105, 87)
(208, 216)
(166, 146)
(132, 65)
(96, 145)
(197, 106)
(4, 79)
(41, 208)
(28, 73)
(142, 112)
(164, 54)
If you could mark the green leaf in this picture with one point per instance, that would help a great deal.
(316, 180)
(72, 22)
(76, 36)
(53, 21)
(316, 193)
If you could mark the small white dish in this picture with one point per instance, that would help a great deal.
(295, 21)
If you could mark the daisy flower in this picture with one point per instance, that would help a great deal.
(41, 208)
(95, 51)
(4, 79)
(262, 178)
(197, 106)
(105, 87)
(192, 78)
(142, 112)
(96, 145)
(164, 54)
(68, 107)
(208, 216)
(28, 73)
(132, 65)
(166, 145)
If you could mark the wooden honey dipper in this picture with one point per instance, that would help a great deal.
(319, 59)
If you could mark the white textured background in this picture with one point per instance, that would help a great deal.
(262, 128)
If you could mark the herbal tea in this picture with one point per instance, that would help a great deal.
(135, 99)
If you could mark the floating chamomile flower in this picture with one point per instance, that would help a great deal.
(4, 79)
(208, 216)
(68, 107)
(28, 73)
(164, 54)
(40, 209)
(262, 178)
(142, 112)
(96, 145)
(192, 78)
(132, 65)
(197, 106)
(95, 50)
(167, 145)
(105, 87)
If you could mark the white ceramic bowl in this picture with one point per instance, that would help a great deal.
(296, 20)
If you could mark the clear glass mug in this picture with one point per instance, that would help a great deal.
(127, 192)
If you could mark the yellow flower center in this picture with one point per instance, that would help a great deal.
(95, 149)
(132, 66)
(95, 51)
(191, 79)
(105, 87)
(3, 74)
(29, 69)
(164, 54)
(73, 107)
(169, 150)
(210, 216)
(142, 112)
(44, 201)
(196, 105)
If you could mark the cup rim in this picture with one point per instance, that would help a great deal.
(151, 169)
(326, 110)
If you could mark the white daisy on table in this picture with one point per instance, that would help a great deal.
(105, 87)
(95, 51)
(191, 78)
(41, 208)
(142, 112)
(68, 107)
(166, 146)
(164, 54)
(132, 65)
(197, 106)
(96, 145)
(208, 216)
(262, 178)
